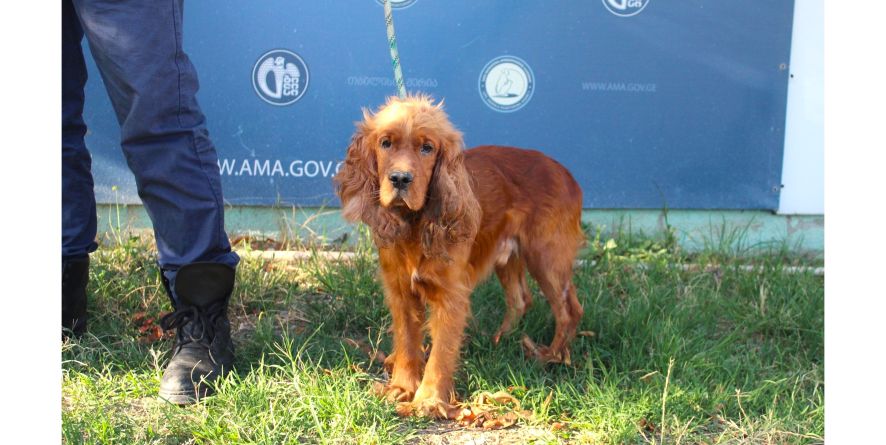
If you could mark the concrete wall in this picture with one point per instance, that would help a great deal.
(695, 229)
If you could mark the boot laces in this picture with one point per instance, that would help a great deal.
(204, 322)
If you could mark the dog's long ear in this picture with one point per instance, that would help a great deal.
(357, 178)
(452, 213)
(356, 184)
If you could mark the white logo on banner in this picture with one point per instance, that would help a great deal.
(506, 83)
(280, 77)
(625, 8)
(398, 3)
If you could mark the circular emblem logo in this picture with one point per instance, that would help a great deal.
(398, 4)
(625, 8)
(280, 77)
(506, 83)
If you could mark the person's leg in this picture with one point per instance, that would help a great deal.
(152, 85)
(78, 198)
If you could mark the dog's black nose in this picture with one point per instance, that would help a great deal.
(400, 180)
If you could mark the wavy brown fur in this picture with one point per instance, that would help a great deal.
(463, 215)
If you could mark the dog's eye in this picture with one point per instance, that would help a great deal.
(427, 148)
(386, 143)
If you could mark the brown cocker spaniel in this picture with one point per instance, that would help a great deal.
(443, 218)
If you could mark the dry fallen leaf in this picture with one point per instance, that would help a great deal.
(648, 376)
(466, 416)
(547, 402)
(647, 425)
(503, 421)
(375, 355)
(492, 411)
(148, 330)
(500, 397)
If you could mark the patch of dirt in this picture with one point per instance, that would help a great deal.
(259, 242)
(489, 419)
(243, 325)
(449, 433)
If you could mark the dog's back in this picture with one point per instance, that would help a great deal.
(529, 179)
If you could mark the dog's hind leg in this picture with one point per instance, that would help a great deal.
(512, 275)
(554, 277)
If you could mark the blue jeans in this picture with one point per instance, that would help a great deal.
(137, 46)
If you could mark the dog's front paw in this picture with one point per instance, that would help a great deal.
(397, 393)
(430, 401)
(431, 407)
(401, 388)
(392, 392)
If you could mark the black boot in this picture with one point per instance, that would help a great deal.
(75, 275)
(203, 350)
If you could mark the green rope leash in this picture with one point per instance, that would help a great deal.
(395, 55)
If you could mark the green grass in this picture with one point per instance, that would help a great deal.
(747, 351)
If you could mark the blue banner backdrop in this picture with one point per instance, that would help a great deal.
(650, 103)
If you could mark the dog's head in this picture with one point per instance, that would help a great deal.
(405, 163)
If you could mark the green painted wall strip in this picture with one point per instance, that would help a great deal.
(694, 229)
